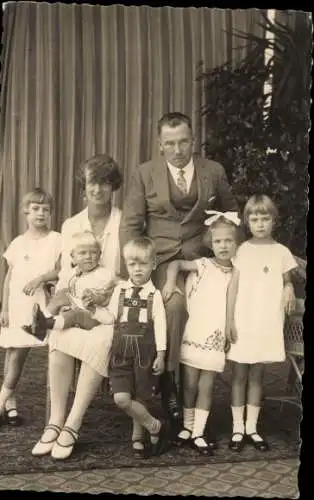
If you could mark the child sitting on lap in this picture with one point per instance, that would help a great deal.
(81, 301)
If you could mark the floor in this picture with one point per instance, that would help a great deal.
(267, 479)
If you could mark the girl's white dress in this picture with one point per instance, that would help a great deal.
(203, 340)
(259, 309)
(29, 258)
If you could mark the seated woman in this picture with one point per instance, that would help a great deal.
(99, 178)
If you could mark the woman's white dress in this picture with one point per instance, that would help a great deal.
(90, 346)
(203, 340)
(259, 309)
(29, 258)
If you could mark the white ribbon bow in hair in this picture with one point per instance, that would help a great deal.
(232, 216)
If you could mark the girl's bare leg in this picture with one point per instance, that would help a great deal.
(238, 398)
(254, 397)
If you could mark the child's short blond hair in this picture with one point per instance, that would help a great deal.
(260, 204)
(83, 238)
(37, 195)
(138, 248)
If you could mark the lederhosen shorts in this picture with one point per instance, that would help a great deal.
(133, 352)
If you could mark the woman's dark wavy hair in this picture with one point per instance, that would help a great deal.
(102, 170)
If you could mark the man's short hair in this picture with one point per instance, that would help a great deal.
(174, 120)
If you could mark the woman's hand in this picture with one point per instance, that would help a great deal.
(289, 299)
(31, 287)
(4, 318)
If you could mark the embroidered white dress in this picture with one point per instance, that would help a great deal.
(203, 340)
(29, 258)
(259, 309)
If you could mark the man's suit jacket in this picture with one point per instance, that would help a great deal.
(149, 211)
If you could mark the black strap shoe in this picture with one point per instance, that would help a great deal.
(205, 451)
(13, 418)
(236, 445)
(260, 444)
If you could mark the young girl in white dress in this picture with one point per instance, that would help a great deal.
(204, 344)
(260, 292)
(33, 261)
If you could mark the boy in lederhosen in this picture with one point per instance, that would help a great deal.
(139, 344)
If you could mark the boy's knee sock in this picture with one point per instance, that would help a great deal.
(238, 421)
(57, 323)
(144, 418)
(200, 420)
(252, 413)
(138, 432)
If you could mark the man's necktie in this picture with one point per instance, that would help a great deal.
(134, 312)
(181, 181)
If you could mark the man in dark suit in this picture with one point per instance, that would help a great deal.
(167, 202)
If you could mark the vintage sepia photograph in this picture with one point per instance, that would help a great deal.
(153, 265)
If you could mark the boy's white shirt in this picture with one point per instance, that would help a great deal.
(158, 309)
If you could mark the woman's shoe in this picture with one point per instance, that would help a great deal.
(205, 451)
(260, 445)
(13, 418)
(63, 451)
(181, 441)
(44, 447)
(236, 445)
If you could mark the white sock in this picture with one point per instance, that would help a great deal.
(238, 421)
(59, 322)
(200, 420)
(5, 393)
(252, 413)
(188, 422)
(11, 403)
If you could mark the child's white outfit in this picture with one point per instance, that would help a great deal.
(90, 346)
(29, 258)
(259, 309)
(203, 340)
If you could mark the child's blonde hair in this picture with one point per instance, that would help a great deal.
(37, 195)
(260, 204)
(138, 248)
(221, 222)
(83, 238)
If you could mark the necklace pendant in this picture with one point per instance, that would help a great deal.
(26, 257)
(266, 269)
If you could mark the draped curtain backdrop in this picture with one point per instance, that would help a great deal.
(79, 80)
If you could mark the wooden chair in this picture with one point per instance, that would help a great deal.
(293, 333)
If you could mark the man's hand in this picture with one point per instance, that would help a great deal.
(159, 363)
(31, 287)
(289, 299)
(168, 290)
(4, 318)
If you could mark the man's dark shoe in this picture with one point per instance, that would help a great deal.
(164, 443)
(169, 396)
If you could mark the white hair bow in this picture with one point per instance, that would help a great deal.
(231, 216)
